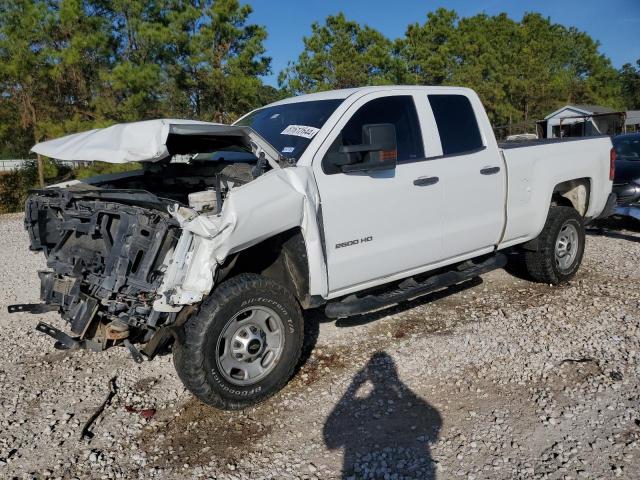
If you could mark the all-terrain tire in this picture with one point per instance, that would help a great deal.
(195, 357)
(542, 264)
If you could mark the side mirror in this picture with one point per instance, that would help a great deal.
(378, 150)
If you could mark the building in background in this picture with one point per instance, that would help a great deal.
(582, 121)
(632, 122)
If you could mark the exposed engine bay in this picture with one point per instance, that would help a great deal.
(131, 255)
(202, 185)
(109, 243)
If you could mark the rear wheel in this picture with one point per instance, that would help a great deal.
(243, 344)
(559, 247)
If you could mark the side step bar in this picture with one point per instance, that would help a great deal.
(410, 289)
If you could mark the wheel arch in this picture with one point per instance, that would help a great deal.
(573, 193)
(282, 258)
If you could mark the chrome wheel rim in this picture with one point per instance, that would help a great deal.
(567, 245)
(250, 345)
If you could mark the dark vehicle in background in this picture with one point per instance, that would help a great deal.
(626, 183)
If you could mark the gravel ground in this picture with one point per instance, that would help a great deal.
(500, 379)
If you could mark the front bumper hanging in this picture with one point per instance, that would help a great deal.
(66, 342)
(32, 308)
(63, 340)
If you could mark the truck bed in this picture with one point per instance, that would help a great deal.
(534, 168)
(545, 141)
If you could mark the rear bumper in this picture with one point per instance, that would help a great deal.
(632, 211)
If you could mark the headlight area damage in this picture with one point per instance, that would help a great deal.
(106, 261)
(126, 267)
(131, 255)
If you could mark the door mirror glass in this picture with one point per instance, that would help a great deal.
(378, 151)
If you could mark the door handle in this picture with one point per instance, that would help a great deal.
(490, 170)
(425, 181)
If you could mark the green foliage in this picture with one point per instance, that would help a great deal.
(630, 79)
(341, 54)
(72, 65)
(522, 70)
(15, 185)
(103, 168)
(427, 51)
(187, 59)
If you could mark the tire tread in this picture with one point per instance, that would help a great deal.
(539, 263)
(189, 358)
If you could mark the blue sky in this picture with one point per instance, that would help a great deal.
(615, 23)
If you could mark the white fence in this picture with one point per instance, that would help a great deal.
(15, 163)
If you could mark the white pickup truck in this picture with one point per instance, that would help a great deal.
(350, 200)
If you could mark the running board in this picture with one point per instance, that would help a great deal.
(410, 289)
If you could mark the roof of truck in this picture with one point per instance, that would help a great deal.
(346, 92)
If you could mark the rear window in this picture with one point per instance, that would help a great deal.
(457, 124)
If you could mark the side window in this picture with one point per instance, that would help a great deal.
(457, 124)
(398, 110)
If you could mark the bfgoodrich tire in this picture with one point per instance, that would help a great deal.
(243, 344)
(559, 247)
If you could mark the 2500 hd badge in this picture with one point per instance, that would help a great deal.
(354, 242)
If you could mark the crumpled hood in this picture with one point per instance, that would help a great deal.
(154, 140)
(121, 143)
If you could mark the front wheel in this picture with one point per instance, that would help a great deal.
(243, 344)
(559, 247)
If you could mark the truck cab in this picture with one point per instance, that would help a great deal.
(405, 213)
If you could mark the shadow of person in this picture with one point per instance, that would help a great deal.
(383, 427)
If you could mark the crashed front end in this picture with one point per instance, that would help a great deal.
(106, 255)
(130, 256)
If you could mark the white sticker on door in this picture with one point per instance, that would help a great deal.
(300, 131)
(288, 149)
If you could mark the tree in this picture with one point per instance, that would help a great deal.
(589, 75)
(341, 54)
(70, 65)
(50, 54)
(197, 59)
(630, 85)
(521, 69)
(216, 60)
(130, 89)
(426, 51)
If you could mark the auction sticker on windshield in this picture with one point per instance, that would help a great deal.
(300, 131)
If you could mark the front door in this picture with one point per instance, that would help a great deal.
(382, 223)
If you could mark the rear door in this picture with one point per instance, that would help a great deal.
(473, 175)
(379, 224)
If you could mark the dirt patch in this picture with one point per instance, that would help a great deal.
(144, 384)
(573, 372)
(200, 434)
(321, 363)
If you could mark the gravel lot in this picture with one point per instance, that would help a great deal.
(501, 379)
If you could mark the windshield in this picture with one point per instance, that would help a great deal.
(628, 148)
(290, 127)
